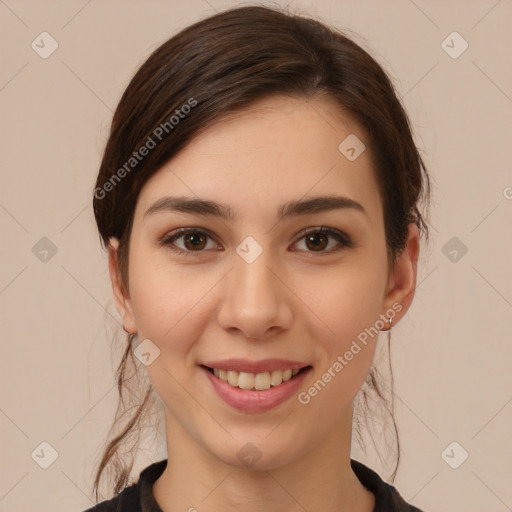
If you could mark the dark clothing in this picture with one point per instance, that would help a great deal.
(139, 497)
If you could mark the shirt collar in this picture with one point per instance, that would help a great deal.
(387, 497)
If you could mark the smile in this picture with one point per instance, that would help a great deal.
(255, 381)
(277, 387)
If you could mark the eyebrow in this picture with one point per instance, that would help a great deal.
(294, 208)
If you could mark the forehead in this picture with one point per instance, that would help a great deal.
(276, 150)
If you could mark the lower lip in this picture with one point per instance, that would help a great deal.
(252, 400)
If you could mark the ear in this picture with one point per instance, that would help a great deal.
(402, 280)
(121, 297)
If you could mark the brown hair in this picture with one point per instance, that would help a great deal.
(215, 67)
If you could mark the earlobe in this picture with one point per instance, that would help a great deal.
(403, 278)
(121, 296)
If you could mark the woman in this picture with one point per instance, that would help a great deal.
(259, 198)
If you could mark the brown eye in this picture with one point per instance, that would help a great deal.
(318, 240)
(193, 241)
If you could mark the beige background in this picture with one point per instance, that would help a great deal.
(451, 353)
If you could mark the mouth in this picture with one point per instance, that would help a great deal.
(256, 381)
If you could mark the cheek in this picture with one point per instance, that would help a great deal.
(345, 301)
(348, 308)
(169, 311)
(170, 303)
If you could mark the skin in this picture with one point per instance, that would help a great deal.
(300, 304)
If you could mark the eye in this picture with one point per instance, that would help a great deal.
(195, 240)
(316, 240)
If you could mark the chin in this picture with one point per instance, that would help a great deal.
(257, 455)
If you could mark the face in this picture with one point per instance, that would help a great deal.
(262, 285)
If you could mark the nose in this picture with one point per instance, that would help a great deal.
(255, 298)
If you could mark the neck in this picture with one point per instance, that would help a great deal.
(318, 479)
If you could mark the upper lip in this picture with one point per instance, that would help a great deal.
(264, 365)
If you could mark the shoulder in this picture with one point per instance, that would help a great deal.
(387, 497)
(126, 501)
(137, 496)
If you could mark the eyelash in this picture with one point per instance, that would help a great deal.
(169, 239)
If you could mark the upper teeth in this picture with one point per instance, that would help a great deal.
(259, 381)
